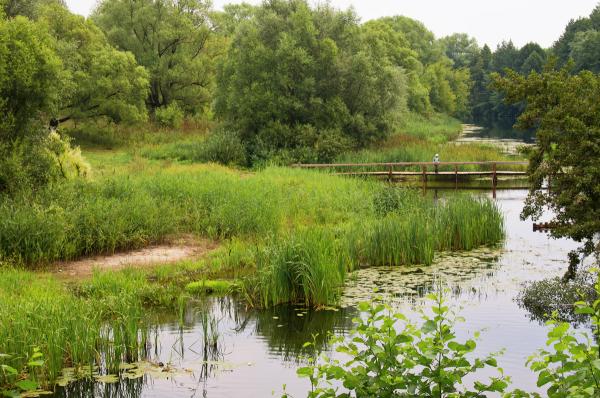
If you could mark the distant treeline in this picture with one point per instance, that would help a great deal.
(289, 81)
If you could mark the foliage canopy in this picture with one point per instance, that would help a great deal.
(172, 40)
(565, 112)
(303, 82)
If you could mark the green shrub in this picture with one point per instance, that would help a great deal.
(392, 357)
(169, 116)
(223, 147)
(33, 163)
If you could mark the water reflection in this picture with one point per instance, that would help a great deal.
(224, 349)
(88, 388)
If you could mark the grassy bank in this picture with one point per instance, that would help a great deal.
(285, 235)
(420, 138)
(311, 264)
(48, 326)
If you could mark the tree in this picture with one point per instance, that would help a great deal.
(526, 51)
(227, 21)
(448, 88)
(565, 111)
(461, 49)
(585, 51)
(172, 40)
(30, 76)
(480, 95)
(30, 83)
(562, 47)
(303, 83)
(27, 8)
(533, 63)
(506, 56)
(390, 43)
(98, 80)
(420, 39)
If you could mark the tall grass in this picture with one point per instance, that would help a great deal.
(437, 128)
(395, 240)
(103, 325)
(112, 136)
(464, 223)
(307, 267)
(413, 234)
(124, 212)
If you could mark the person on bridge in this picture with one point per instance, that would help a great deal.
(436, 160)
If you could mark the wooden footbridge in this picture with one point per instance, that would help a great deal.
(425, 170)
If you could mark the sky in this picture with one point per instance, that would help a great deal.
(489, 21)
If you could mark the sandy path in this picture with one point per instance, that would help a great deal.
(146, 257)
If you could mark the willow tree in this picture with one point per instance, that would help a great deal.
(303, 83)
(97, 79)
(30, 75)
(26, 8)
(172, 39)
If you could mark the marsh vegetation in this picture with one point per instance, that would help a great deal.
(112, 140)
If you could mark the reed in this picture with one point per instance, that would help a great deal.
(103, 329)
(306, 267)
(413, 230)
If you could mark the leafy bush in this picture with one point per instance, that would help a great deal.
(33, 163)
(570, 368)
(389, 356)
(169, 116)
(223, 147)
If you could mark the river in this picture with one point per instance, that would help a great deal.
(226, 350)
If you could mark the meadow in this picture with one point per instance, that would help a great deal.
(283, 235)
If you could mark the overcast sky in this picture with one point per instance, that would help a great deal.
(489, 21)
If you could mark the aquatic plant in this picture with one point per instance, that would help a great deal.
(413, 229)
(308, 267)
(103, 324)
(203, 287)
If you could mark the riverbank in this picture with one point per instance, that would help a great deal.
(278, 234)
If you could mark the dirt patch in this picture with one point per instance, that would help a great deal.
(143, 258)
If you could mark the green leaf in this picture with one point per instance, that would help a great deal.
(428, 327)
(27, 385)
(9, 369)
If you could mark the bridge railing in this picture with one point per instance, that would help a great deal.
(393, 170)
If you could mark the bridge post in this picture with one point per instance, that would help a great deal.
(494, 179)
(455, 177)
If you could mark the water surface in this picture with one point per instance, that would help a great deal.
(226, 350)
